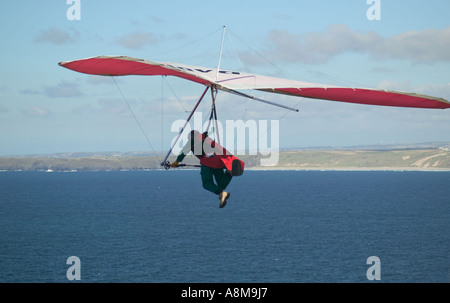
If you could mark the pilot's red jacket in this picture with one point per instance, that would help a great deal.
(209, 152)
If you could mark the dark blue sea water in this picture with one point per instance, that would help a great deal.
(279, 226)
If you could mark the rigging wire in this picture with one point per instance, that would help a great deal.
(242, 69)
(249, 100)
(173, 92)
(187, 44)
(135, 118)
(335, 80)
(187, 52)
(260, 55)
(235, 51)
(220, 53)
(213, 110)
(162, 112)
(229, 35)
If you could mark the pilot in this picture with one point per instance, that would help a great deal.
(211, 156)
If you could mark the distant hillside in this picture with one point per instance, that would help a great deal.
(79, 164)
(437, 159)
(401, 159)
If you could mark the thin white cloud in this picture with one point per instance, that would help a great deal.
(427, 46)
(63, 90)
(110, 106)
(60, 90)
(29, 91)
(97, 80)
(113, 106)
(442, 90)
(37, 111)
(54, 35)
(319, 47)
(137, 40)
(156, 19)
(84, 109)
(3, 109)
(382, 70)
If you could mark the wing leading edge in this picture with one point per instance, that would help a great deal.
(231, 81)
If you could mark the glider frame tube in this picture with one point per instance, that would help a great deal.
(258, 99)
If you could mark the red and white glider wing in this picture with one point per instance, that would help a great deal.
(233, 81)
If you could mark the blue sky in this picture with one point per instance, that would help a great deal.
(48, 109)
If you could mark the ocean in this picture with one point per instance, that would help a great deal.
(278, 226)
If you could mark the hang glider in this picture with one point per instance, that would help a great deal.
(233, 82)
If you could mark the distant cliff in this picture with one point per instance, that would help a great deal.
(429, 159)
(402, 159)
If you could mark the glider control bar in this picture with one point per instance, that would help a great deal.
(167, 165)
(184, 126)
(258, 99)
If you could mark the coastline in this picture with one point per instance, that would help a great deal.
(399, 169)
(429, 159)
